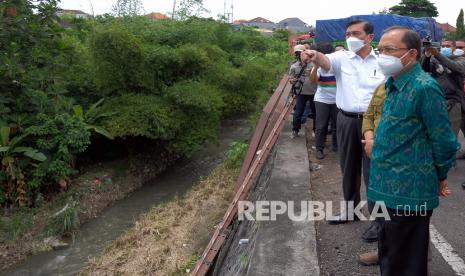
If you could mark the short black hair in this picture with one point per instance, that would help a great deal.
(454, 44)
(325, 47)
(411, 38)
(367, 25)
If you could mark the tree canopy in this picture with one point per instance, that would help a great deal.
(415, 8)
(460, 33)
(127, 8)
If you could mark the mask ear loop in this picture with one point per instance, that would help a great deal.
(404, 55)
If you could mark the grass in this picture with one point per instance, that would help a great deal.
(188, 266)
(16, 223)
(65, 221)
(23, 230)
(169, 238)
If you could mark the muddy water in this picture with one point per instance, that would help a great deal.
(95, 235)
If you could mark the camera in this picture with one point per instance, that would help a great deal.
(427, 42)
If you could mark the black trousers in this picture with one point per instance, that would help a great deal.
(300, 104)
(325, 113)
(403, 244)
(352, 157)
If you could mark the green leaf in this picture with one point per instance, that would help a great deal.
(22, 149)
(92, 108)
(4, 135)
(78, 112)
(101, 131)
(4, 149)
(36, 155)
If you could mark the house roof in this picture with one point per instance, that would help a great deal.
(71, 11)
(259, 20)
(240, 21)
(446, 27)
(157, 16)
(293, 20)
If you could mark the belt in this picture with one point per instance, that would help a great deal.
(352, 114)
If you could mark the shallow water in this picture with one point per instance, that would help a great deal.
(95, 235)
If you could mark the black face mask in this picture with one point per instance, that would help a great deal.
(297, 56)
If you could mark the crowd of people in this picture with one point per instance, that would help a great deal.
(394, 113)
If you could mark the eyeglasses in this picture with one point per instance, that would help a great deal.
(388, 50)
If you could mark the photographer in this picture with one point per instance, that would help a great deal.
(302, 87)
(447, 66)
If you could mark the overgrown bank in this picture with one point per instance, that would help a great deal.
(69, 86)
(165, 241)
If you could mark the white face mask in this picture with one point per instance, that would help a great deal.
(354, 44)
(390, 65)
(458, 52)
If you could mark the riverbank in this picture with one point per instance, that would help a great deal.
(94, 236)
(165, 240)
(52, 225)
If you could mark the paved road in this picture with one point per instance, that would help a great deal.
(339, 245)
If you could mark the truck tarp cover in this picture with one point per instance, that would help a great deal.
(335, 29)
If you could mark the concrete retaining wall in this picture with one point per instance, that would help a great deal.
(280, 247)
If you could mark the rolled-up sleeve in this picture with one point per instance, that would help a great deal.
(433, 111)
(368, 122)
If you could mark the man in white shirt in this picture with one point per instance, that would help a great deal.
(357, 76)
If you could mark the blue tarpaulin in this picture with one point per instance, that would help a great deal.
(334, 29)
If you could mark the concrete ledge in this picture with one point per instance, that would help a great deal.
(284, 247)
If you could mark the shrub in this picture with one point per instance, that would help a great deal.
(60, 137)
(201, 105)
(118, 58)
(150, 116)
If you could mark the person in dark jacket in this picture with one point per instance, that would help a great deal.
(448, 68)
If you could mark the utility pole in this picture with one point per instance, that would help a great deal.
(228, 16)
(224, 11)
(174, 9)
(91, 8)
(232, 11)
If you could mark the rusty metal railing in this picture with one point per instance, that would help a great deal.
(268, 128)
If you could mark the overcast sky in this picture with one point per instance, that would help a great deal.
(276, 10)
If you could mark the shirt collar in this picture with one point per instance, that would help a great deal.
(372, 53)
(404, 78)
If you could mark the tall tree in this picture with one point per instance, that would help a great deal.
(415, 8)
(123, 8)
(188, 8)
(460, 33)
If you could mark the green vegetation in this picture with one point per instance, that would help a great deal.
(170, 81)
(65, 221)
(415, 8)
(460, 33)
(236, 154)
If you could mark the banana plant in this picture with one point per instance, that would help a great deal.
(15, 157)
(91, 116)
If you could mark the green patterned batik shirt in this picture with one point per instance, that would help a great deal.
(414, 144)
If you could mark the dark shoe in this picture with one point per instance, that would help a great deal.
(340, 219)
(320, 155)
(369, 258)
(463, 185)
(371, 234)
(295, 134)
(460, 156)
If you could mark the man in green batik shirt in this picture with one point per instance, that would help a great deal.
(413, 150)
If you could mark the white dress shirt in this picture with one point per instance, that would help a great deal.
(356, 79)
